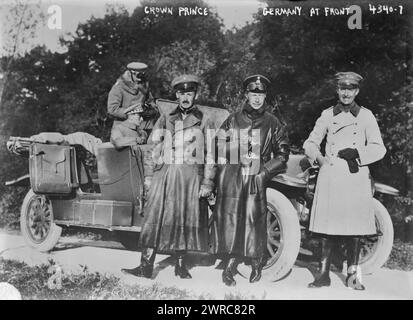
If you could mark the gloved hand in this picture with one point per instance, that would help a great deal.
(348, 154)
(205, 191)
(353, 166)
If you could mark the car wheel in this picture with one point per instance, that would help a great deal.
(376, 250)
(284, 236)
(36, 222)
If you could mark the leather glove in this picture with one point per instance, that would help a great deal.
(205, 191)
(348, 154)
(353, 166)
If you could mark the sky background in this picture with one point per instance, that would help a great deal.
(235, 13)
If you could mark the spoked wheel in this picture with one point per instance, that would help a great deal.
(283, 237)
(275, 240)
(36, 222)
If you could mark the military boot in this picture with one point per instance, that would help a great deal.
(256, 272)
(353, 279)
(180, 267)
(323, 278)
(229, 272)
(145, 269)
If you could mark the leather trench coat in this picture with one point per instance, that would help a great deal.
(175, 218)
(239, 220)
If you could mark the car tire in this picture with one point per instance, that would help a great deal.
(376, 250)
(36, 222)
(284, 235)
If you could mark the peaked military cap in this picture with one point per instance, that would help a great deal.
(185, 83)
(256, 83)
(137, 66)
(349, 80)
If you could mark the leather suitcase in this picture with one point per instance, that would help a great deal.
(52, 168)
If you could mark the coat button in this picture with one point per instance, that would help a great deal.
(354, 132)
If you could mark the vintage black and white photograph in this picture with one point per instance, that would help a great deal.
(206, 150)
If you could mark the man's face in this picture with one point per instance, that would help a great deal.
(135, 118)
(256, 99)
(347, 95)
(185, 99)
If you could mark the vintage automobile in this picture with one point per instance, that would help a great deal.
(60, 196)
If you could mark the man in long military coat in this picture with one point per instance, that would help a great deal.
(343, 200)
(130, 91)
(176, 219)
(240, 216)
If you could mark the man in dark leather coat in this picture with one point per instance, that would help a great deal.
(240, 216)
(176, 215)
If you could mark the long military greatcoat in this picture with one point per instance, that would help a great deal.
(240, 224)
(175, 218)
(343, 201)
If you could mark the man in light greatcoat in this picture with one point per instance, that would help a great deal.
(343, 200)
(131, 90)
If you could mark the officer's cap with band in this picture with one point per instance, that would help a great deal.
(256, 83)
(137, 66)
(185, 83)
(348, 80)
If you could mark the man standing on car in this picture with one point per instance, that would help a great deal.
(176, 217)
(343, 200)
(240, 216)
(132, 90)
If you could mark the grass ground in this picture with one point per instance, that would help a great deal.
(34, 283)
(401, 256)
